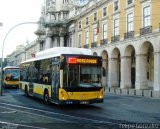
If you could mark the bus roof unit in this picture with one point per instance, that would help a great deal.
(57, 51)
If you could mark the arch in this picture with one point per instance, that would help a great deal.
(104, 55)
(145, 65)
(95, 53)
(128, 50)
(128, 67)
(115, 68)
(115, 53)
(145, 46)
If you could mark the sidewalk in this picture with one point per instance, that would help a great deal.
(134, 92)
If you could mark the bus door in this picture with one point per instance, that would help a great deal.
(55, 81)
(32, 72)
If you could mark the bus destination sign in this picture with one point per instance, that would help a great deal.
(74, 60)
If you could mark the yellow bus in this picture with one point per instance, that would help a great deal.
(63, 75)
(11, 76)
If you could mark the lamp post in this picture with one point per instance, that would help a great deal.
(1, 24)
(3, 48)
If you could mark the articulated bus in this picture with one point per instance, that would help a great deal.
(63, 75)
(11, 76)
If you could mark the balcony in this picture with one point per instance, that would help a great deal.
(40, 31)
(86, 46)
(94, 44)
(103, 42)
(146, 30)
(129, 34)
(115, 38)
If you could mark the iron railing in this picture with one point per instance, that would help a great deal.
(86, 46)
(115, 38)
(146, 30)
(94, 44)
(103, 42)
(129, 34)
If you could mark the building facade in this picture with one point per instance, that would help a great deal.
(23, 53)
(55, 21)
(126, 34)
(17, 56)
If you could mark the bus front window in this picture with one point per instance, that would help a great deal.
(12, 74)
(90, 76)
(82, 76)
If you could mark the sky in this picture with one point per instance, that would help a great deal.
(13, 12)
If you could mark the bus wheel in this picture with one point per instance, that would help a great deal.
(26, 91)
(46, 97)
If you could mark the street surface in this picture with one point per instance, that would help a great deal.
(20, 112)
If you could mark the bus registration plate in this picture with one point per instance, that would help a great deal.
(84, 102)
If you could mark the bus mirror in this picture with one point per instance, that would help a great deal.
(103, 71)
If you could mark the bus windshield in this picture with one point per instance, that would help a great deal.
(12, 74)
(83, 76)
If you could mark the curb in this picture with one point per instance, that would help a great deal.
(134, 92)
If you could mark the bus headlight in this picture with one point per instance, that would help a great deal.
(101, 93)
(62, 94)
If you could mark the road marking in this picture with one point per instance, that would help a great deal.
(35, 114)
(93, 120)
(8, 125)
(8, 112)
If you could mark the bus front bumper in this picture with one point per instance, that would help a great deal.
(64, 102)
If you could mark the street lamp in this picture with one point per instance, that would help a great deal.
(1, 24)
(3, 47)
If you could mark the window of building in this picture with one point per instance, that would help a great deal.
(104, 11)
(70, 40)
(42, 46)
(116, 5)
(95, 16)
(95, 35)
(80, 25)
(104, 31)
(130, 22)
(79, 40)
(146, 16)
(129, 2)
(86, 20)
(116, 27)
(87, 37)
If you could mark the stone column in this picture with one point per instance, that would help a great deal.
(113, 72)
(62, 17)
(48, 42)
(48, 39)
(157, 71)
(125, 72)
(61, 41)
(141, 72)
(62, 32)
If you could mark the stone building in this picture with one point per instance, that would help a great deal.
(55, 21)
(22, 53)
(17, 56)
(126, 34)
